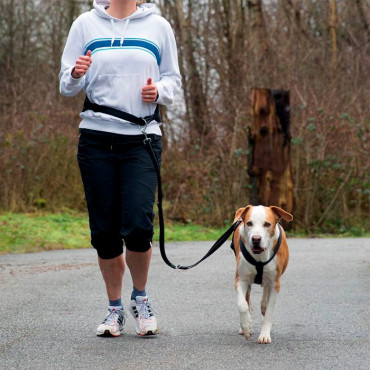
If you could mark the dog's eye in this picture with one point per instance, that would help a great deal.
(249, 223)
(267, 224)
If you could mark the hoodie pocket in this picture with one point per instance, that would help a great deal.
(121, 92)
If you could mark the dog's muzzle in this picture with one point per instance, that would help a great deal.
(258, 250)
(256, 245)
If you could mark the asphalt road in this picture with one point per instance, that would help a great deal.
(52, 302)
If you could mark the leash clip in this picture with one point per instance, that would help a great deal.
(237, 223)
(147, 139)
(181, 268)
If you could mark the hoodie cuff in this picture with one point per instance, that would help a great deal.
(70, 86)
(75, 80)
(161, 99)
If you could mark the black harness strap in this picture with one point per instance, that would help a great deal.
(88, 105)
(259, 265)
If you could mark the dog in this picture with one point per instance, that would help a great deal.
(255, 242)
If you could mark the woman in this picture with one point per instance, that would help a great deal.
(124, 56)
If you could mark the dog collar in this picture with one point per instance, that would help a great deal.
(259, 265)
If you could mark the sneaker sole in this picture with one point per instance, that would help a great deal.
(149, 333)
(107, 333)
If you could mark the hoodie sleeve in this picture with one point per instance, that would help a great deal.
(70, 86)
(170, 79)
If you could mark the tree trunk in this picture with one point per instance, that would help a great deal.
(257, 23)
(333, 21)
(363, 16)
(269, 164)
(73, 11)
(194, 92)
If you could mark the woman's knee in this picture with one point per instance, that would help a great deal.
(107, 244)
(138, 240)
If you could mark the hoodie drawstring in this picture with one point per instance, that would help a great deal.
(124, 31)
(113, 23)
(113, 31)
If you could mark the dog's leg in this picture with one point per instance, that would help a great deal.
(267, 321)
(264, 299)
(244, 312)
(248, 298)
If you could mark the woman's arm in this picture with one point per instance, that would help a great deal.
(74, 64)
(170, 79)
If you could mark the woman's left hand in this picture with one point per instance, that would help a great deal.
(149, 92)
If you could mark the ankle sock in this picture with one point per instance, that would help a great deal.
(116, 304)
(137, 292)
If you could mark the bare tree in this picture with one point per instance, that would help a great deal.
(226, 47)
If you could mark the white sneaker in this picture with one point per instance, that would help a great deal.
(112, 324)
(146, 323)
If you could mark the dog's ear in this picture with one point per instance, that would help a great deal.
(240, 213)
(281, 213)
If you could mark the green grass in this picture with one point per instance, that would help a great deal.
(36, 232)
(21, 233)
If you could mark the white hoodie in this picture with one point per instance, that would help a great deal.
(125, 53)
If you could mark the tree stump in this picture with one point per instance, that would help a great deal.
(269, 164)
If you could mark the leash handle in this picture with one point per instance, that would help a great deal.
(220, 241)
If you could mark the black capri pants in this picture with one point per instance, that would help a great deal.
(120, 181)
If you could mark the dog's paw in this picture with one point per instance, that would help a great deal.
(264, 338)
(246, 332)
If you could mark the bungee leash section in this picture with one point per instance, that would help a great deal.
(143, 123)
(220, 241)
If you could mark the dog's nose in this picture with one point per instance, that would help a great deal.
(256, 239)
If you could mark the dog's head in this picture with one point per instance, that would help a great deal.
(260, 226)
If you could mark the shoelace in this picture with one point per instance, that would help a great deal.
(113, 317)
(144, 309)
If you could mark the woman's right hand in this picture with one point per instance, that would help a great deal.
(82, 65)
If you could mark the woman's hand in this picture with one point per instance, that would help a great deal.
(83, 63)
(149, 92)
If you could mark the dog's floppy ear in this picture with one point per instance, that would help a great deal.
(240, 213)
(281, 213)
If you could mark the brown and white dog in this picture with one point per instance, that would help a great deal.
(259, 232)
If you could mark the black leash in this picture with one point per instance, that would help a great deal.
(219, 242)
(143, 122)
(259, 265)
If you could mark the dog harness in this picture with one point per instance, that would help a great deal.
(259, 265)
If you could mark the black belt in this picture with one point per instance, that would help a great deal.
(141, 121)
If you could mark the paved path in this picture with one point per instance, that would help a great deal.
(52, 302)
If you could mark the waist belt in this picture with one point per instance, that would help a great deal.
(141, 121)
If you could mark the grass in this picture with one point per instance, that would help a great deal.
(23, 233)
(36, 232)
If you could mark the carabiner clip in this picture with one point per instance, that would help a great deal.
(147, 139)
